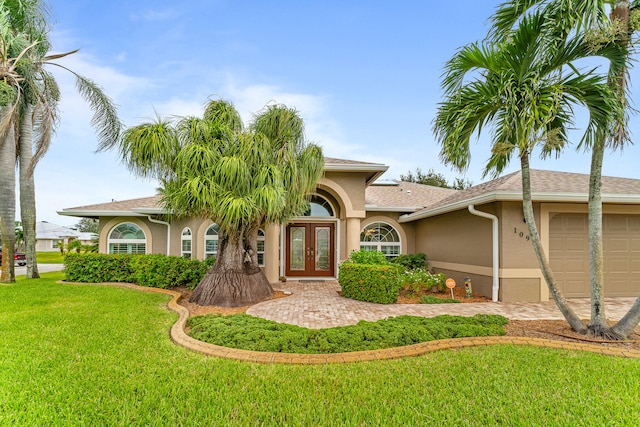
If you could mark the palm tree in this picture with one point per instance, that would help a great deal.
(522, 88)
(242, 179)
(35, 107)
(614, 29)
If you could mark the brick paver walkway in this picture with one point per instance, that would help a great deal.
(318, 305)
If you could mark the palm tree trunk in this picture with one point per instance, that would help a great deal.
(598, 324)
(233, 281)
(8, 200)
(628, 323)
(527, 207)
(27, 191)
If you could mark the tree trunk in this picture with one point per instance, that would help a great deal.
(527, 207)
(598, 325)
(628, 323)
(234, 280)
(28, 191)
(8, 200)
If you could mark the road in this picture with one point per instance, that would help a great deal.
(42, 268)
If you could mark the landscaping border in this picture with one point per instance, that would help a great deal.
(179, 336)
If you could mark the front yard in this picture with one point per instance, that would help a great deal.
(96, 355)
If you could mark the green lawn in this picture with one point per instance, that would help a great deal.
(50, 257)
(99, 355)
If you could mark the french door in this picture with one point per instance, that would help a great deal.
(310, 249)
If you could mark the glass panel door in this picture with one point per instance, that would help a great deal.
(297, 248)
(323, 248)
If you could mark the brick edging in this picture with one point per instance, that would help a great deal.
(179, 337)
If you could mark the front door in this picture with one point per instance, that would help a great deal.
(310, 249)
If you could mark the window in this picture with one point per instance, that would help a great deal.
(261, 248)
(211, 241)
(185, 248)
(319, 207)
(127, 238)
(382, 237)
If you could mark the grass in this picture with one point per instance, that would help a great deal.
(253, 333)
(50, 257)
(100, 355)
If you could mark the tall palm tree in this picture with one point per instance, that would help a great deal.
(34, 114)
(522, 88)
(605, 23)
(240, 178)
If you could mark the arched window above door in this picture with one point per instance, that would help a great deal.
(319, 207)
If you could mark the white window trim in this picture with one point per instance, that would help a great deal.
(186, 237)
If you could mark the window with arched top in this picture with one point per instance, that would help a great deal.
(261, 248)
(211, 241)
(319, 207)
(127, 238)
(186, 243)
(380, 236)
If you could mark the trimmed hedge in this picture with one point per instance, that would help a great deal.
(372, 283)
(156, 271)
(95, 268)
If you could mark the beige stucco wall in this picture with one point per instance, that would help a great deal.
(344, 190)
(460, 245)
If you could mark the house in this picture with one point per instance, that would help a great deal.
(49, 235)
(477, 233)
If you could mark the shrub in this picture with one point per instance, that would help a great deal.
(94, 268)
(162, 271)
(420, 280)
(157, 271)
(372, 283)
(253, 333)
(412, 261)
(368, 257)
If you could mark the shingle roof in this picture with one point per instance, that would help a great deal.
(403, 196)
(425, 200)
(545, 186)
(152, 202)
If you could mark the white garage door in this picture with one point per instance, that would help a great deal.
(569, 254)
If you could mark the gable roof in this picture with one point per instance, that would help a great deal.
(373, 170)
(546, 186)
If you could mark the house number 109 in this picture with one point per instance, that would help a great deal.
(520, 234)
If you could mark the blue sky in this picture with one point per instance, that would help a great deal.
(364, 74)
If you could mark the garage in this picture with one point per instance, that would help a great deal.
(569, 254)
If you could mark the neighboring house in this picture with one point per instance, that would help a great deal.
(49, 235)
(477, 233)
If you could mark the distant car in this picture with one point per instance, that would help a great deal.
(18, 258)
